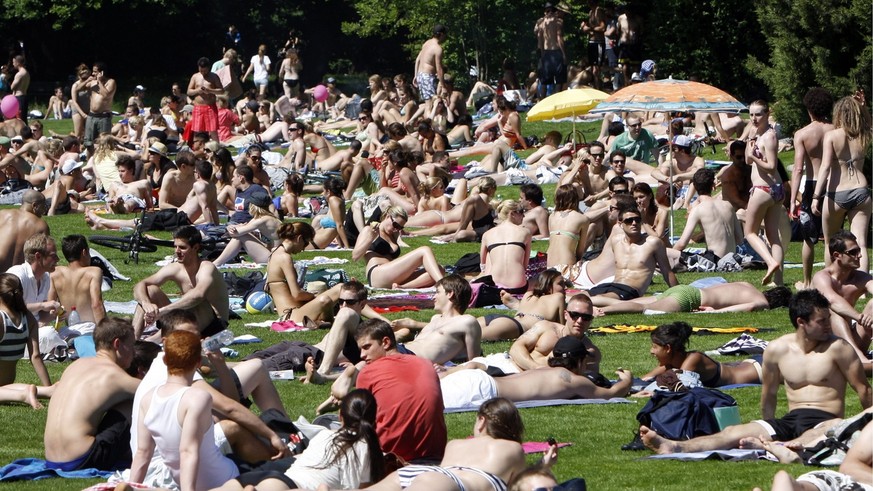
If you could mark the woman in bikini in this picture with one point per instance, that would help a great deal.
(545, 302)
(433, 195)
(282, 283)
(842, 171)
(19, 330)
(505, 253)
(568, 227)
(669, 346)
(222, 174)
(378, 245)
(653, 215)
(289, 202)
(256, 236)
(465, 222)
(503, 150)
(398, 181)
(325, 225)
(320, 146)
(485, 462)
(765, 202)
(80, 101)
(289, 73)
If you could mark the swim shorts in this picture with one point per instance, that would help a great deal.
(688, 297)
(204, 118)
(793, 424)
(467, 388)
(427, 85)
(623, 292)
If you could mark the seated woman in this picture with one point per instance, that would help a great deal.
(328, 226)
(653, 215)
(505, 252)
(568, 229)
(378, 245)
(544, 302)
(20, 331)
(398, 181)
(466, 222)
(462, 133)
(486, 461)
(669, 346)
(289, 201)
(256, 236)
(281, 278)
(222, 174)
(336, 459)
(177, 419)
(45, 163)
(433, 195)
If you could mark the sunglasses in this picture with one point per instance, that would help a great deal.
(854, 252)
(597, 155)
(348, 301)
(579, 315)
(619, 161)
(396, 225)
(363, 118)
(621, 191)
(293, 129)
(631, 220)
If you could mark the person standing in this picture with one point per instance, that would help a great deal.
(20, 84)
(552, 69)
(429, 68)
(204, 87)
(102, 89)
(260, 65)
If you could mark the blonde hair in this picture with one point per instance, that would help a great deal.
(397, 212)
(853, 118)
(506, 208)
(429, 184)
(105, 147)
(257, 212)
(54, 148)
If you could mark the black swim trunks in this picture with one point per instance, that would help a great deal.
(110, 450)
(165, 220)
(793, 424)
(623, 292)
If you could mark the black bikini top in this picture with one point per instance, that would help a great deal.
(383, 248)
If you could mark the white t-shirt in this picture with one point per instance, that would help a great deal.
(346, 473)
(33, 292)
(262, 68)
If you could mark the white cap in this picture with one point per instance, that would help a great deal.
(682, 141)
(70, 165)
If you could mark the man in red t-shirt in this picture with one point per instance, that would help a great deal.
(409, 418)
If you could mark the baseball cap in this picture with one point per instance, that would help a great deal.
(681, 141)
(5, 141)
(569, 346)
(18, 138)
(260, 199)
(140, 88)
(70, 165)
(646, 68)
(331, 80)
(212, 146)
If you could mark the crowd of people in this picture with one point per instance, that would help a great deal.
(387, 173)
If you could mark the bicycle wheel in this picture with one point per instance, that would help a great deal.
(122, 243)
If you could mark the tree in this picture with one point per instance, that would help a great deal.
(812, 43)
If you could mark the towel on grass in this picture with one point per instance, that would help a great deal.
(34, 469)
(549, 402)
(540, 447)
(733, 455)
(623, 328)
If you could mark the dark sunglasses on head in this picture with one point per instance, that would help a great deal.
(579, 315)
(630, 220)
(348, 301)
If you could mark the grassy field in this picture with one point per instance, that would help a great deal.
(596, 432)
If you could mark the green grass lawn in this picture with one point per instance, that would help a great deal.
(596, 432)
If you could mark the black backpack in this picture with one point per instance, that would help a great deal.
(832, 450)
(684, 415)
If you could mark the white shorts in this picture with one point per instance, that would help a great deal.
(498, 360)
(467, 388)
(826, 480)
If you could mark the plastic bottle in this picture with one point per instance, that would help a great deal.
(218, 340)
(73, 318)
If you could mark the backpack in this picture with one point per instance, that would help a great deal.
(331, 277)
(684, 415)
(468, 263)
(242, 286)
(832, 450)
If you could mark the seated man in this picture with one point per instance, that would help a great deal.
(815, 367)
(238, 429)
(536, 217)
(78, 286)
(203, 288)
(737, 296)
(41, 258)
(450, 334)
(88, 423)
(715, 216)
(564, 378)
(409, 414)
(130, 195)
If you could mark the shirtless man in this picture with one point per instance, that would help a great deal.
(203, 289)
(342, 160)
(594, 27)
(102, 90)
(203, 88)
(78, 285)
(200, 206)
(736, 179)
(17, 163)
(628, 41)
(536, 217)
(88, 421)
(563, 378)
(129, 196)
(429, 68)
(20, 84)
(843, 284)
(450, 334)
(72, 187)
(532, 349)
(552, 69)
(808, 149)
(21, 224)
(737, 296)
(716, 217)
(636, 256)
(296, 155)
(177, 183)
(683, 165)
(815, 367)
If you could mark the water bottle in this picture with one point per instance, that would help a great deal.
(217, 341)
(73, 318)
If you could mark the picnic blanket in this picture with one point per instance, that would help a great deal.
(549, 402)
(34, 469)
(733, 455)
(624, 328)
(539, 447)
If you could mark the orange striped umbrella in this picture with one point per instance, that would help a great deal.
(670, 95)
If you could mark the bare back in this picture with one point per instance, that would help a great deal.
(23, 224)
(80, 288)
(719, 223)
(553, 31)
(502, 458)
(811, 138)
(730, 294)
(544, 383)
(849, 155)
(201, 204)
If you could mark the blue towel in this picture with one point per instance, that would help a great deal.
(33, 469)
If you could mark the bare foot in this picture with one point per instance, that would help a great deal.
(329, 405)
(30, 397)
(770, 272)
(92, 220)
(508, 300)
(312, 376)
(598, 312)
(783, 453)
(801, 285)
(752, 443)
(656, 442)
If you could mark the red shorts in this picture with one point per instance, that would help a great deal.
(204, 118)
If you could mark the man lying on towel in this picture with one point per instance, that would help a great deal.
(88, 423)
(564, 379)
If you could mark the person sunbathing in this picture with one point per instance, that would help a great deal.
(544, 302)
(669, 346)
(726, 297)
(465, 222)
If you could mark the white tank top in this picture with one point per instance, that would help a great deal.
(162, 421)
